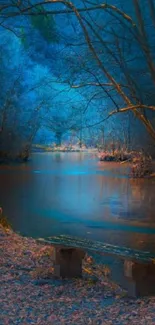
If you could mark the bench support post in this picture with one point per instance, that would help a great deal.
(140, 278)
(67, 262)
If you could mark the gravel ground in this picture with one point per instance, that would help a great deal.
(30, 295)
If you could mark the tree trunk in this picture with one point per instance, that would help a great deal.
(59, 139)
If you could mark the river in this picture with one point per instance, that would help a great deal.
(74, 193)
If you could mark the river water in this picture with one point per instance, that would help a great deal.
(74, 193)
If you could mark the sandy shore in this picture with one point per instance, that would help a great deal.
(30, 295)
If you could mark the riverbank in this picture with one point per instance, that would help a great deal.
(44, 148)
(30, 295)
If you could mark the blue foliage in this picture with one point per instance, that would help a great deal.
(45, 54)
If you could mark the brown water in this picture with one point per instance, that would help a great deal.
(73, 193)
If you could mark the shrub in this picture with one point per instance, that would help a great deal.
(4, 221)
(141, 166)
(116, 156)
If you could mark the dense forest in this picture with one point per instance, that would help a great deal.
(82, 71)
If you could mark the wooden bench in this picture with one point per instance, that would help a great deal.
(138, 276)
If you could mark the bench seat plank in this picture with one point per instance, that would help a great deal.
(100, 247)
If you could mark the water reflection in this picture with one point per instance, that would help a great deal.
(75, 194)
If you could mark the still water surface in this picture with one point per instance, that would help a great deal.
(74, 193)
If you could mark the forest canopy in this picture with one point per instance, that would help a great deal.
(87, 64)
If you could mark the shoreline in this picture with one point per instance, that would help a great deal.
(30, 295)
(37, 150)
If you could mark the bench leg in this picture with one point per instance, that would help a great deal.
(140, 278)
(68, 262)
